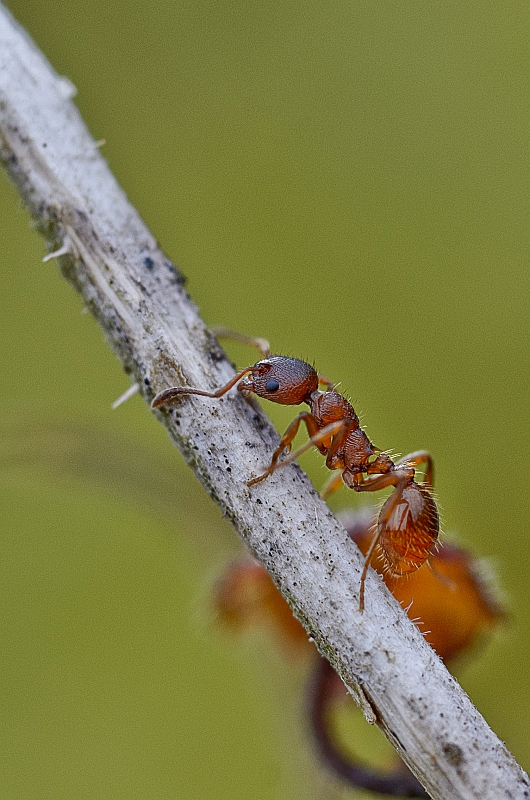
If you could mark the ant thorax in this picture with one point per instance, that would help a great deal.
(328, 407)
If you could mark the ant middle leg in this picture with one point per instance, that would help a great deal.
(332, 485)
(220, 332)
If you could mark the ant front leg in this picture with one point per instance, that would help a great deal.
(317, 439)
(323, 381)
(285, 444)
(262, 345)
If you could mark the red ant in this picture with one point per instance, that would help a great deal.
(407, 526)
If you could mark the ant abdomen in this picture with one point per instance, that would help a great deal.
(407, 529)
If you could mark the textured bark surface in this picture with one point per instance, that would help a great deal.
(139, 299)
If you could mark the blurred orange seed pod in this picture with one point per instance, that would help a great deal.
(449, 598)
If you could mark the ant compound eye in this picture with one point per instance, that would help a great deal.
(272, 386)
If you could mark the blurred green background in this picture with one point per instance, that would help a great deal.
(350, 180)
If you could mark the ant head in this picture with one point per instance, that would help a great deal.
(288, 381)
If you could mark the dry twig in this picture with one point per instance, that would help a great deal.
(138, 297)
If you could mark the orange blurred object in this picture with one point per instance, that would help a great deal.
(448, 598)
(246, 597)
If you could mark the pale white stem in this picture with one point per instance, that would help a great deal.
(130, 392)
(62, 251)
(138, 296)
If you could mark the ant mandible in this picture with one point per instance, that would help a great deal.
(407, 526)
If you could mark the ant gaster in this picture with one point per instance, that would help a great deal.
(407, 526)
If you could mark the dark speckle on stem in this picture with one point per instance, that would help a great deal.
(453, 754)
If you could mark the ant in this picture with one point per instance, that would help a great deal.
(407, 527)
